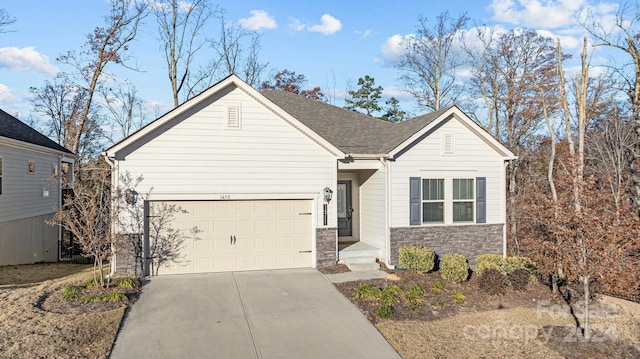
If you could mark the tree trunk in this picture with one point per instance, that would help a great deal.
(586, 328)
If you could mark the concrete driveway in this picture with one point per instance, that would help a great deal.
(266, 314)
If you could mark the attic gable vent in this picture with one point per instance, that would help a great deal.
(448, 143)
(233, 116)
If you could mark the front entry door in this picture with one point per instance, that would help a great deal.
(345, 209)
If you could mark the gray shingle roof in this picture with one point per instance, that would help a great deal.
(349, 131)
(15, 129)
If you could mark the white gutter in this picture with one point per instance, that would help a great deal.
(387, 205)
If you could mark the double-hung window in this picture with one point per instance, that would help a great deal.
(447, 199)
(433, 200)
(463, 199)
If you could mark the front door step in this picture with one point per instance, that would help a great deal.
(361, 263)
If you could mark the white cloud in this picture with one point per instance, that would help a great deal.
(546, 14)
(6, 97)
(392, 49)
(363, 34)
(296, 25)
(26, 59)
(259, 19)
(329, 25)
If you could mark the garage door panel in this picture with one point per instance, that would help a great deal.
(268, 234)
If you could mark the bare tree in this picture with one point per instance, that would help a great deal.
(181, 28)
(5, 20)
(126, 113)
(104, 46)
(86, 215)
(624, 36)
(509, 74)
(428, 63)
(60, 103)
(238, 51)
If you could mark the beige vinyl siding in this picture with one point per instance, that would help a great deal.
(471, 158)
(22, 193)
(199, 158)
(372, 203)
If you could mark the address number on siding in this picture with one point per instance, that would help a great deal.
(225, 196)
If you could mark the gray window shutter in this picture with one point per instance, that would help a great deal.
(414, 201)
(481, 199)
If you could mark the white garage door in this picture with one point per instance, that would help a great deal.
(242, 235)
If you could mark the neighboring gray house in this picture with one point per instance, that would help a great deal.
(251, 169)
(28, 161)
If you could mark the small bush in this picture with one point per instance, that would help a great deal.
(390, 295)
(519, 278)
(454, 268)
(487, 261)
(420, 259)
(458, 298)
(129, 282)
(437, 287)
(493, 281)
(367, 292)
(384, 311)
(114, 296)
(510, 264)
(71, 292)
(413, 295)
(90, 283)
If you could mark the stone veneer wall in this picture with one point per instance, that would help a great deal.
(470, 240)
(326, 246)
(126, 262)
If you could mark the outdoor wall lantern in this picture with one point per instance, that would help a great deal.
(328, 193)
(130, 196)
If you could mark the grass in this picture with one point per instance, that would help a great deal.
(27, 331)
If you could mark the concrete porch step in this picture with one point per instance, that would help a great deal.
(361, 263)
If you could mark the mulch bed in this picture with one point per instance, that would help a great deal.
(52, 302)
(441, 304)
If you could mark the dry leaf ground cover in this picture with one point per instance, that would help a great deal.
(461, 321)
(33, 325)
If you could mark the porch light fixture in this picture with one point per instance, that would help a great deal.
(130, 196)
(328, 193)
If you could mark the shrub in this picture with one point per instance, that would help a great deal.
(493, 281)
(420, 259)
(413, 295)
(90, 283)
(390, 295)
(487, 261)
(454, 268)
(458, 298)
(129, 282)
(384, 311)
(71, 292)
(367, 292)
(519, 278)
(114, 296)
(510, 264)
(437, 287)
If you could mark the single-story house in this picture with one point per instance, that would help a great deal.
(275, 180)
(29, 189)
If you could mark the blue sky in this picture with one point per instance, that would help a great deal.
(332, 43)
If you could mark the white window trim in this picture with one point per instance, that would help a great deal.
(448, 177)
(472, 200)
(443, 201)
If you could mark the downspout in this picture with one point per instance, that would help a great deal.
(114, 258)
(387, 221)
(60, 207)
(504, 213)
